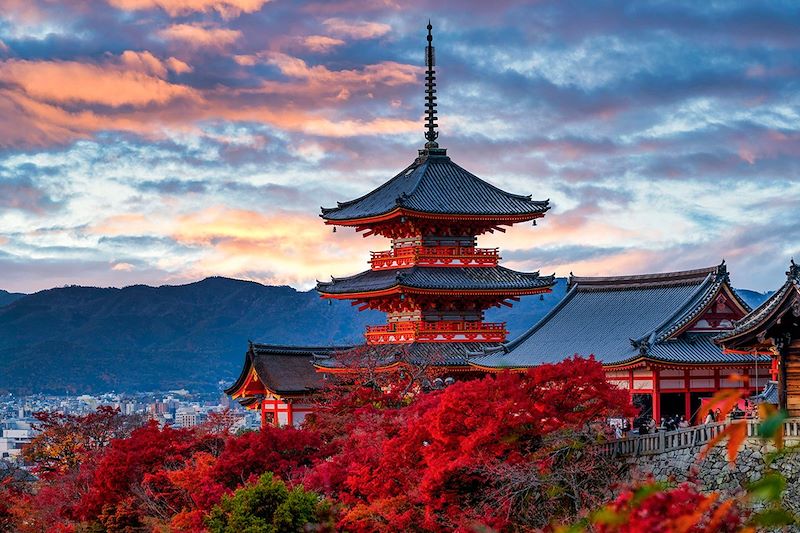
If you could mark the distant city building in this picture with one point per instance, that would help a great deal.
(187, 418)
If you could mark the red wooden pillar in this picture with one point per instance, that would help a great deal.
(687, 396)
(275, 421)
(263, 414)
(289, 413)
(656, 397)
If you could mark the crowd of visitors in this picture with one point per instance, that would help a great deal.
(645, 425)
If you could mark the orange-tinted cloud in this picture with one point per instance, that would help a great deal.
(387, 72)
(200, 36)
(356, 29)
(290, 247)
(226, 8)
(111, 85)
(321, 43)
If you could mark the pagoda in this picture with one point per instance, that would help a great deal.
(434, 283)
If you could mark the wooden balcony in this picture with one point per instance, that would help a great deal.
(445, 331)
(440, 256)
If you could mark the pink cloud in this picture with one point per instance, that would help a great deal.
(200, 36)
(226, 8)
(321, 43)
(356, 29)
(111, 85)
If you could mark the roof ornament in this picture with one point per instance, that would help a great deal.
(722, 272)
(794, 271)
(430, 93)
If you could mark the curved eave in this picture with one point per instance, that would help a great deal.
(400, 212)
(402, 289)
(241, 381)
(653, 361)
(770, 307)
(341, 370)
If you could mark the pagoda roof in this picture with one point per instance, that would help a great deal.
(434, 184)
(446, 354)
(283, 370)
(622, 319)
(467, 279)
(785, 299)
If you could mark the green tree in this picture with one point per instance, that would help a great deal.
(269, 506)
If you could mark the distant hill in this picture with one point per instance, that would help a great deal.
(753, 298)
(9, 297)
(85, 339)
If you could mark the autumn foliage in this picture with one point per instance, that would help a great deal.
(508, 452)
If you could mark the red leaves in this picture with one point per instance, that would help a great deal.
(428, 462)
(651, 509)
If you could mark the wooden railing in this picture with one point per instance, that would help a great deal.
(456, 256)
(665, 441)
(442, 331)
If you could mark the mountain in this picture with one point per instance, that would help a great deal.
(87, 339)
(753, 298)
(9, 297)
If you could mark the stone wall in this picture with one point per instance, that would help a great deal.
(714, 473)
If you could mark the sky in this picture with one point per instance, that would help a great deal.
(164, 141)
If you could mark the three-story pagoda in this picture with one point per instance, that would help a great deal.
(435, 283)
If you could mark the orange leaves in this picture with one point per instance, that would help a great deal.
(652, 508)
(723, 403)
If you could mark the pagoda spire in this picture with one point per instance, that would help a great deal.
(430, 93)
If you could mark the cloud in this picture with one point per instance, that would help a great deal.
(200, 36)
(122, 267)
(321, 43)
(132, 83)
(226, 8)
(21, 193)
(355, 29)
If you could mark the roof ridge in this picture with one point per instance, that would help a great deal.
(683, 310)
(267, 346)
(403, 173)
(697, 275)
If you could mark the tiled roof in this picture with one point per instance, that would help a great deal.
(283, 369)
(453, 278)
(432, 353)
(434, 184)
(757, 318)
(769, 394)
(620, 319)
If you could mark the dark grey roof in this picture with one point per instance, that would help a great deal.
(432, 353)
(434, 184)
(457, 278)
(620, 319)
(283, 369)
(758, 317)
(769, 394)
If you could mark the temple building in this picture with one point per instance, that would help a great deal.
(434, 283)
(278, 382)
(773, 330)
(653, 333)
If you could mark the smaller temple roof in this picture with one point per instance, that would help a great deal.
(762, 317)
(621, 319)
(449, 354)
(283, 370)
(477, 279)
(434, 184)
